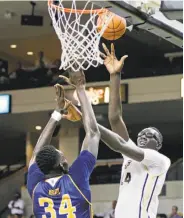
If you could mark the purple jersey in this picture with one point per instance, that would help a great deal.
(67, 196)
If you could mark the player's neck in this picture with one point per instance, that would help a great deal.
(53, 174)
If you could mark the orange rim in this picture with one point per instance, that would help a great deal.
(80, 11)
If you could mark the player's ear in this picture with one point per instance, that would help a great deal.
(64, 167)
(159, 146)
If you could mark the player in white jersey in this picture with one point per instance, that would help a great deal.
(144, 168)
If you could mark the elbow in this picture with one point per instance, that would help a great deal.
(114, 118)
(95, 133)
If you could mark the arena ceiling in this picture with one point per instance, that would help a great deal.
(28, 38)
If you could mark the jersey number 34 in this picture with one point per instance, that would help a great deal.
(65, 208)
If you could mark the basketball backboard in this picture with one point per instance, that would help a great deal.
(147, 15)
(173, 10)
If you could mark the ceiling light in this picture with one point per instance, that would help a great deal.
(38, 127)
(13, 46)
(30, 53)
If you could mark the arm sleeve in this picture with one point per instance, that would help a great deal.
(10, 205)
(155, 162)
(82, 167)
(34, 176)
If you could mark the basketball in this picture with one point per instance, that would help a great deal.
(116, 27)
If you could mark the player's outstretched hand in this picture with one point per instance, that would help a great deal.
(72, 113)
(68, 110)
(76, 78)
(112, 64)
(60, 97)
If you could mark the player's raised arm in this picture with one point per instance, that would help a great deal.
(92, 138)
(111, 139)
(46, 135)
(114, 66)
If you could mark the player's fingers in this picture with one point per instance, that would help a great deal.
(66, 79)
(124, 58)
(67, 105)
(56, 89)
(59, 91)
(65, 116)
(103, 55)
(106, 49)
(112, 49)
(62, 91)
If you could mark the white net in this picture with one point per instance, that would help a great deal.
(79, 40)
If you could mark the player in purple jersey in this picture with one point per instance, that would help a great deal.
(57, 190)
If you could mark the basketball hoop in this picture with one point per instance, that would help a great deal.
(79, 41)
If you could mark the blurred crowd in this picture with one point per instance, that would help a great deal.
(45, 73)
(40, 75)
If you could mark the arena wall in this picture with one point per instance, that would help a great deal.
(103, 195)
(140, 90)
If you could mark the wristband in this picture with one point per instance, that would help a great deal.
(56, 116)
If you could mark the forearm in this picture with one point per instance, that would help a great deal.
(106, 136)
(116, 143)
(46, 135)
(88, 116)
(115, 109)
(92, 138)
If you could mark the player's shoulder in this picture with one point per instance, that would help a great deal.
(156, 159)
(35, 175)
(82, 167)
(166, 160)
(161, 156)
(33, 167)
(83, 158)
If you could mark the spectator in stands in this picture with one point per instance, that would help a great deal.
(16, 206)
(4, 79)
(42, 61)
(174, 213)
(15, 77)
(111, 213)
(39, 74)
(30, 77)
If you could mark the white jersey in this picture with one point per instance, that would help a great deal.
(141, 183)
